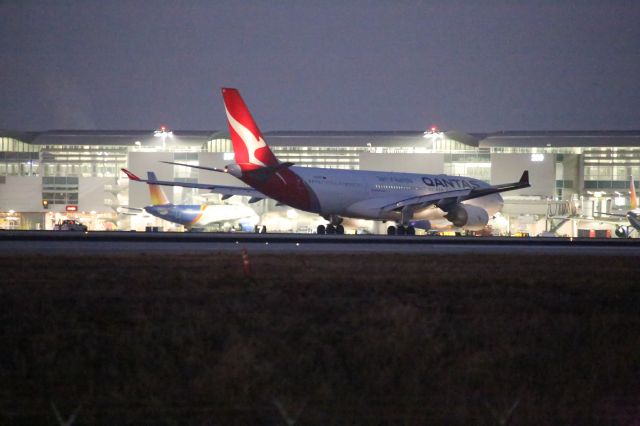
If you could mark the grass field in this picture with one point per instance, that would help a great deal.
(355, 339)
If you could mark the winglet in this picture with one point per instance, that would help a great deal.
(633, 197)
(131, 175)
(525, 177)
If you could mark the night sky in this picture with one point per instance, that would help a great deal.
(473, 66)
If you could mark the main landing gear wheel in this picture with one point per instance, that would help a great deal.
(401, 230)
(330, 230)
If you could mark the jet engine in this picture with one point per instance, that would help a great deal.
(623, 232)
(420, 224)
(468, 217)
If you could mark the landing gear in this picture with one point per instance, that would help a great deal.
(333, 228)
(401, 230)
(330, 229)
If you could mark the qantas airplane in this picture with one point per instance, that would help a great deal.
(194, 216)
(410, 200)
(633, 215)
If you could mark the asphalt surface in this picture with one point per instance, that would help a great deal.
(95, 243)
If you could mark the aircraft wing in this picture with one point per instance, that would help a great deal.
(134, 209)
(446, 199)
(226, 191)
(626, 215)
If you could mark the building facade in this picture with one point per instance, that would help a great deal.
(49, 176)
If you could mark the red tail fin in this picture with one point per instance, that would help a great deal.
(250, 148)
(130, 175)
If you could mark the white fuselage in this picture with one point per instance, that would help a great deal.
(201, 215)
(228, 213)
(361, 193)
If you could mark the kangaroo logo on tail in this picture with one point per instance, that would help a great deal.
(249, 146)
(251, 143)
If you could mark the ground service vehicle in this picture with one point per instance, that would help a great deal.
(69, 225)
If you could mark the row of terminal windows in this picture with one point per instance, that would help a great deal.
(60, 189)
(607, 184)
(400, 187)
(61, 198)
(610, 172)
(14, 145)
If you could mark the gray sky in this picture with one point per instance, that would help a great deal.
(321, 65)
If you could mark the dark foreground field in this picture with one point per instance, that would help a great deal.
(358, 339)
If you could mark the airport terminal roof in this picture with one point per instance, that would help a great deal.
(594, 138)
(103, 137)
(524, 139)
(337, 138)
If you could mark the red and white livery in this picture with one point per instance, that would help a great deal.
(409, 199)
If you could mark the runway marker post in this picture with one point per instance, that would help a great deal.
(246, 264)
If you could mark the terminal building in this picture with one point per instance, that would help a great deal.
(575, 176)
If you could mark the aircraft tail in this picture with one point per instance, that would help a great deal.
(158, 197)
(249, 147)
(633, 197)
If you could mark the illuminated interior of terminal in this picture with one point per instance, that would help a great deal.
(575, 176)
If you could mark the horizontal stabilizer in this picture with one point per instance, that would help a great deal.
(216, 189)
(130, 175)
(263, 173)
(211, 169)
(135, 209)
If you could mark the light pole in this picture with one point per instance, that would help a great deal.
(163, 133)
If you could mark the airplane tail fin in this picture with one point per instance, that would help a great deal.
(633, 197)
(158, 197)
(130, 175)
(249, 147)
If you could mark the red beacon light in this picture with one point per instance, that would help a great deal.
(432, 130)
(163, 132)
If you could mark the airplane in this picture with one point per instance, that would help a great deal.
(410, 200)
(633, 215)
(194, 216)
